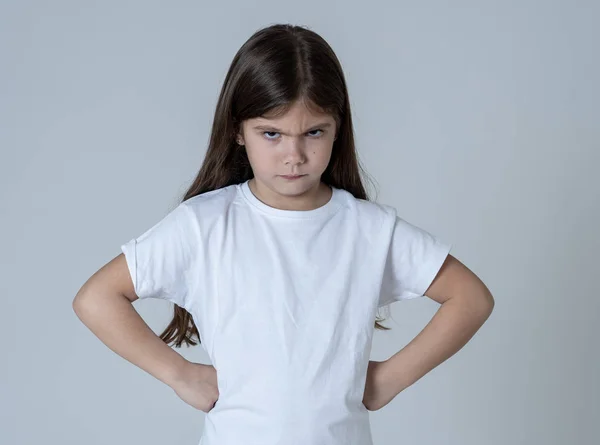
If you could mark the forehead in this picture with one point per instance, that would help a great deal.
(299, 110)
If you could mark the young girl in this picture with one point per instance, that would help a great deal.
(278, 263)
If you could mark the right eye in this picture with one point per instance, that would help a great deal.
(271, 132)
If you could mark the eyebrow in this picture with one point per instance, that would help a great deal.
(272, 128)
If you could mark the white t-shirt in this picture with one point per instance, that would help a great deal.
(285, 304)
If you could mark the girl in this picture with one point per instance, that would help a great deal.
(277, 263)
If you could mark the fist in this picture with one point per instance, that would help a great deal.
(198, 386)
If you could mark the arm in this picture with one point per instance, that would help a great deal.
(104, 305)
(466, 303)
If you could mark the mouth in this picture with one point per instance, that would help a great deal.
(292, 176)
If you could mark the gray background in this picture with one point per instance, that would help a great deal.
(479, 121)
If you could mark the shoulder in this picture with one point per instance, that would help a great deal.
(370, 215)
(207, 210)
(365, 208)
(212, 202)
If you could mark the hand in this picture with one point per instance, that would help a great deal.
(379, 386)
(197, 386)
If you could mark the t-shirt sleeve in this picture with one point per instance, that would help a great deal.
(162, 260)
(414, 258)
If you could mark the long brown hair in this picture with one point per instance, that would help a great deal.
(277, 66)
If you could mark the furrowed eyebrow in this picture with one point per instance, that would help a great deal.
(271, 128)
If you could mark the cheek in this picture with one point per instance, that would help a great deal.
(321, 154)
(260, 155)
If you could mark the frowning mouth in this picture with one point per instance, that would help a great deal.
(292, 176)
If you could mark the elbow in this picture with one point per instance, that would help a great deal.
(490, 303)
(482, 299)
(86, 301)
(79, 304)
(479, 304)
(485, 305)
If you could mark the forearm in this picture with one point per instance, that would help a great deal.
(114, 320)
(452, 326)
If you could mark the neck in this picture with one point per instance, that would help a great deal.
(310, 199)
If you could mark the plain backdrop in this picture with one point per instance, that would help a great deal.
(478, 120)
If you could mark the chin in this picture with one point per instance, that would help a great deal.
(292, 187)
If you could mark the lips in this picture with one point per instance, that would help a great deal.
(292, 176)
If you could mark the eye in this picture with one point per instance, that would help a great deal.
(272, 132)
(271, 138)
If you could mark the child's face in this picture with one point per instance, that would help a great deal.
(298, 143)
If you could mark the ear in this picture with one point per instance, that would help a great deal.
(239, 139)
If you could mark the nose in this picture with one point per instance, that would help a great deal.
(294, 152)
